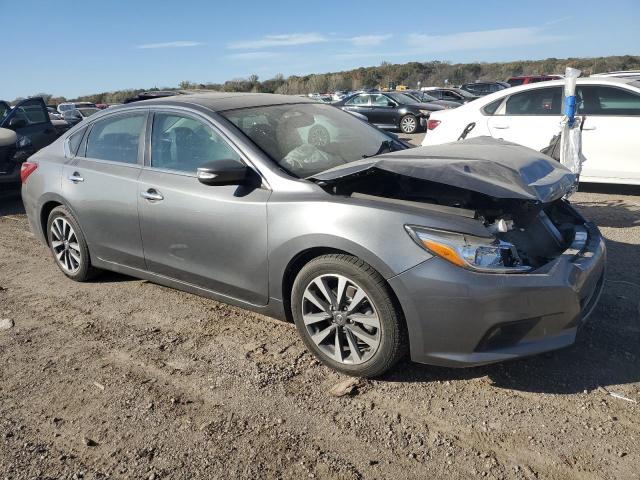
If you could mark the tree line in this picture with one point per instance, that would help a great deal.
(412, 74)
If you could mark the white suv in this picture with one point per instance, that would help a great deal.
(530, 115)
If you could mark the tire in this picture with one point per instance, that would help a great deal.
(72, 257)
(371, 334)
(409, 124)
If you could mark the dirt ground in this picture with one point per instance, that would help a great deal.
(121, 378)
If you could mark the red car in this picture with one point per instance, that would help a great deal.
(526, 79)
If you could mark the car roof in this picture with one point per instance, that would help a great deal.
(221, 101)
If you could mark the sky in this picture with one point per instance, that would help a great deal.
(72, 48)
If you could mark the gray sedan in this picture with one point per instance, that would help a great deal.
(461, 254)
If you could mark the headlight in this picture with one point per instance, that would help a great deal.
(474, 253)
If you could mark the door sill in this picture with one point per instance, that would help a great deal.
(177, 284)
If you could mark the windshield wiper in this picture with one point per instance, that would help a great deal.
(386, 145)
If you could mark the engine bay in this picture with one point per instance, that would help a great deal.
(539, 231)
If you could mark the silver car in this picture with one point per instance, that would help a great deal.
(461, 254)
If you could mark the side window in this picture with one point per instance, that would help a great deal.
(32, 111)
(492, 107)
(359, 100)
(541, 101)
(74, 141)
(4, 110)
(601, 100)
(184, 144)
(380, 100)
(116, 139)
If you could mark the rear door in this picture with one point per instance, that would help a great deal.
(214, 237)
(610, 140)
(530, 118)
(100, 184)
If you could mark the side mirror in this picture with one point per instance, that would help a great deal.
(390, 104)
(17, 122)
(223, 172)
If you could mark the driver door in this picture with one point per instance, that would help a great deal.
(384, 111)
(213, 237)
(360, 104)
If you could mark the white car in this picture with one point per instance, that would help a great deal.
(530, 115)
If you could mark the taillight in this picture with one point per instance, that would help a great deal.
(27, 169)
(431, 124)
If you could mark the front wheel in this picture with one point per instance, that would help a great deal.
(409, 124)
(346, 316)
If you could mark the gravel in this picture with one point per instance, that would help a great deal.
(121, 378)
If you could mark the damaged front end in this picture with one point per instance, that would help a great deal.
(514, 192)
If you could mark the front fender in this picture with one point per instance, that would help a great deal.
(373, 233)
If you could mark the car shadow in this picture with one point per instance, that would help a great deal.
(10, 202)
(606, 352)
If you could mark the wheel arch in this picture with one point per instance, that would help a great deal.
(47, 204)
(298, 261)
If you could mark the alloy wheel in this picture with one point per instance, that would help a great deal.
(341, 319)
(408, 124)
(64, 244)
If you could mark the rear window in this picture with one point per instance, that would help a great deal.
(514, 82)
(74, 141)
(116, 139)
(492, 107)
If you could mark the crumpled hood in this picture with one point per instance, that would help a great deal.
(482, 164)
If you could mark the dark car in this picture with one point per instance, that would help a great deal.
(451, 94)
(459, 254)
(484, 88)
(78, 114)
(26, 128)
(390, 110)
(424, 97)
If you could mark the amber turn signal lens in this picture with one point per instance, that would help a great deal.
(444, 251)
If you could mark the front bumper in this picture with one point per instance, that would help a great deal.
(459, 318)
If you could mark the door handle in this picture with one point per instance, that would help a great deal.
(501, 126)
(75, 177)
(589, 128)
(152, 195)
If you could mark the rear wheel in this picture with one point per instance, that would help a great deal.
(68, 245)
(409, 124)
(346, 316)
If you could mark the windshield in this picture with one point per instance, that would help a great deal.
(464, 93)
(66, 106)
(305, 139)
(424, 97)
(403, 98)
